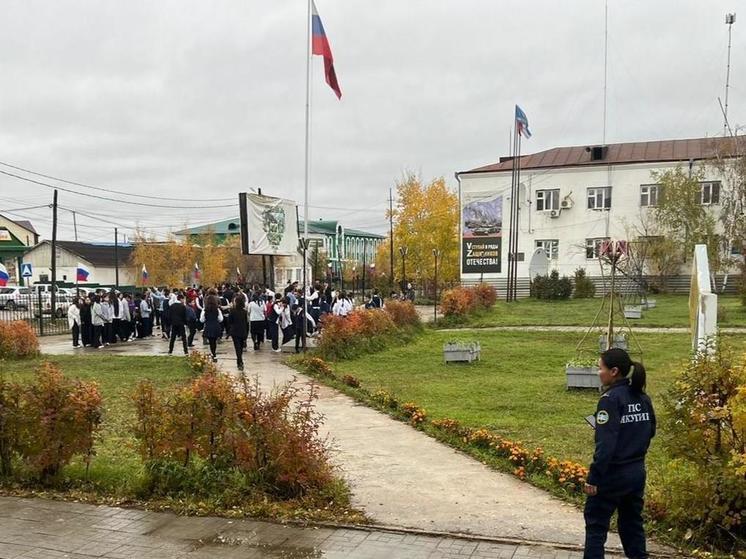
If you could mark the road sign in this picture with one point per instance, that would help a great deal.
(26, 270)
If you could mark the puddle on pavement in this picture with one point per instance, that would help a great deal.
(281, 551)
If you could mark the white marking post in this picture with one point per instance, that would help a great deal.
(703, 303)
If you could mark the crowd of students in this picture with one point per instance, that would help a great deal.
(218, 313)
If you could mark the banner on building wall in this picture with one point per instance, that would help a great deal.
(268, 225)
(481, 236)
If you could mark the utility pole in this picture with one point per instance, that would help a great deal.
(75, 227)
(116, 258)
(54, 252)
(391, 239)
(730, 19)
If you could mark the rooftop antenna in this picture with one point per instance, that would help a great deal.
(730, 19)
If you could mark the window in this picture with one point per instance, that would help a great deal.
(649, 195)
(599, 198)
(709, 193)
(593, 247)
(550, 246)
(547, 200)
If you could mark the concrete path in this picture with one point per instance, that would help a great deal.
(399, 476)
(41, 529)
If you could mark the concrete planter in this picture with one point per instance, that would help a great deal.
(582, 377)
(633, 311)
(649, 304)
(457, 352)
(619, 341)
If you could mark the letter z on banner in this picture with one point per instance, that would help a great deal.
(268, 225)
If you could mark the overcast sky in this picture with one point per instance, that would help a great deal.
(201, 100)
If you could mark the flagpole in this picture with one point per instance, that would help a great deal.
(307, 169)
(517, 219)
(509, 291)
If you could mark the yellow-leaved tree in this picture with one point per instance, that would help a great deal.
(168, 262)
(425, 218)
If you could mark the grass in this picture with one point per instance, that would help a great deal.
(117, 473)
(517, 389)
(670, 311)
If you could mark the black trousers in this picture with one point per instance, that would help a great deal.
(624, 494)
(86, 333)
(192, 332)
(76, 334)
(273, 330)
(257, 332)
(238, 345)
(177, 331)
(106, 336)
(213, 346)
(97, 333)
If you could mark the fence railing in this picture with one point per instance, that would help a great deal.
(35, 307)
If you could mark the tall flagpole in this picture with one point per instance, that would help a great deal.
(307, 169)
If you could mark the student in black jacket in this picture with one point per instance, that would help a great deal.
(239, 327)
(177, 318)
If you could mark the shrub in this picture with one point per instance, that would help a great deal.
(349, 380)
(385, 399)
(486, 295)
(551, 287)
(201, 363)
(584, 287)
(48, 421)
(403, 313)
(18, 340)
(225, 431)
(362, 331)
(706, 433)
(414, 413)
(316, 365)
(459, 301)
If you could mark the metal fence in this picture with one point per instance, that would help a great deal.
(35, 307)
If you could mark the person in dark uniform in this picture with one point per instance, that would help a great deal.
(625, 424)
(239, 327)
(177, 320)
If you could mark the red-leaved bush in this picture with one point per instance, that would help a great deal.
(272, 440)
(361, 331)
(18, 340)
(402, 313)
(461, 301)
(48, 421)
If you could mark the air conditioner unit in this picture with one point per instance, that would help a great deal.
(566, 204)
(554, 213)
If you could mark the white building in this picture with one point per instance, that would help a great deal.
(99, 259)
(570, 200)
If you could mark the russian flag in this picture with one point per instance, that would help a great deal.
(144, 274)
(197, 273)
(521, 123)
(82, 273)
(4, 276)
(320, 46)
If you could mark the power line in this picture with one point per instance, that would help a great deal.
(100, 188)
(113, 199)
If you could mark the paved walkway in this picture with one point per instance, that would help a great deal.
(42, 529)
(401, 477)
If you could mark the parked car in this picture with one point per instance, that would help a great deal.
(14, 297)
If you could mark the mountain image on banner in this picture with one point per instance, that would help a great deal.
(483, 218)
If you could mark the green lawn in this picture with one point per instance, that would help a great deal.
(517, 389)
(670, 311)
(116, 469)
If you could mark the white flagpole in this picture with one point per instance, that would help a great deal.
(307, 170)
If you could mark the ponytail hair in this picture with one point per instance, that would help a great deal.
(635, 371)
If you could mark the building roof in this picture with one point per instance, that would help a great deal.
(233, 227)
(658, 151)
(98, 254)
(26, 225)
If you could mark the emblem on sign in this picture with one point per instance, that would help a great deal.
(273, 224)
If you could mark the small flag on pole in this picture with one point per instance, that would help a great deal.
(144, 274)
(320, 46)
(82, 273)
(197, 273)
(521, 123)
(4, 276)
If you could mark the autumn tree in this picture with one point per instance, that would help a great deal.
(168, 262)
(426, 217)
(211, 256)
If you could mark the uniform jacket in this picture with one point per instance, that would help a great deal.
(625, 423)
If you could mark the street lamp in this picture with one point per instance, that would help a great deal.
(436, 253)
(403, 251)
(354, 281)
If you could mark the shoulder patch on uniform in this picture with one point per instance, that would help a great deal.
(602, 417)
(605, 395)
